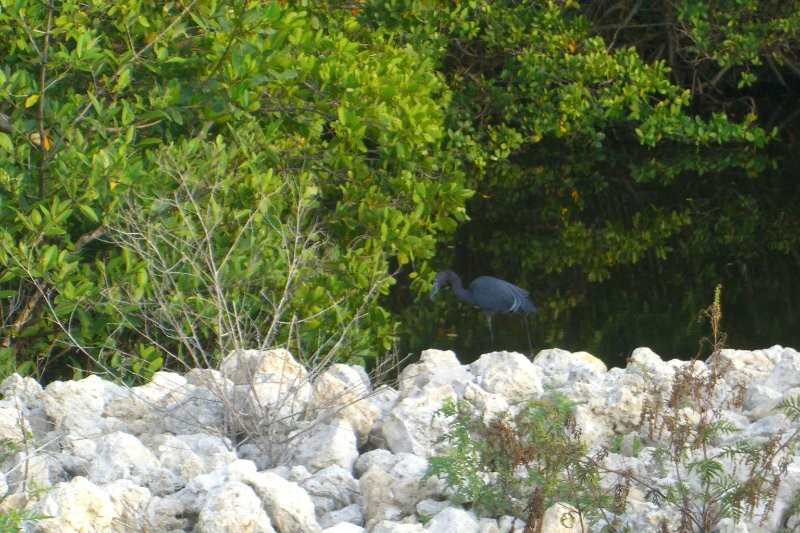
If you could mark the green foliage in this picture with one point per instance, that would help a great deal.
(372, 119)
(531, 70)
(247, 113)
(12, 520)
(793, 510)
(742, 35)
(521, 465)
(461, 468)
(715, 46)
(586, 157)
(791, 406)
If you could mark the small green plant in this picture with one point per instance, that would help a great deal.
(713, 482)
(792, 513)
(460, 467)
(424, 518)
(522, 465)
(12, 519)
(618, 445)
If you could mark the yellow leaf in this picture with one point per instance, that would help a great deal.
(32, 99)
(36, 138)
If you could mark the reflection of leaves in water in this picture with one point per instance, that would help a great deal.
(621, 247)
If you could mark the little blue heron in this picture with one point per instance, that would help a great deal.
(493, 295)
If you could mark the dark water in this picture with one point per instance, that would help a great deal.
(744, 235)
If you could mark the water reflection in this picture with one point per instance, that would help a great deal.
(651, 252)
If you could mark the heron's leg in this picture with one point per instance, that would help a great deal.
(491, 331)
(527, 332)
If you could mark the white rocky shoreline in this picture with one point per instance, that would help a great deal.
(260, 445)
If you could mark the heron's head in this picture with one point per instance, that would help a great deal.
(438, 282)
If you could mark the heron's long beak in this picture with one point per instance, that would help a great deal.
(434, 290)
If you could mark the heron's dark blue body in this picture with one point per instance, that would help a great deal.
(493, 295)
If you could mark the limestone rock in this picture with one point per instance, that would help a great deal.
(435, 368)
(561, 368)
(131, 505)
(346, 517)
(390, 485)
(77, 406)
(646, 363)
(324, 444)
(452, 519)
(244, 366)
(269, 393)
(77, 506)
(26, 390)
(508, 373)
(786, 372)
(21, 410)
(384, 398)
(233, 507)
(410, 426)
(289, 507)
(344, 527)
(122, 456)
(431, 508)
(177, 455)
(12, 422)
(488, 405)
(171, 404)
(391, 526)
(344, 392)
(562, 518)
(331, 489)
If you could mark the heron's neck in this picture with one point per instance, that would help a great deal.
(453, 280)
(458, 288)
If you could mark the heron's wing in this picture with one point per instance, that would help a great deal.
(497, 295)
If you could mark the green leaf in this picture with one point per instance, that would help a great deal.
(123, 80)
(95, 103)
(5, 143)
(48, 255)
(89, 212)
